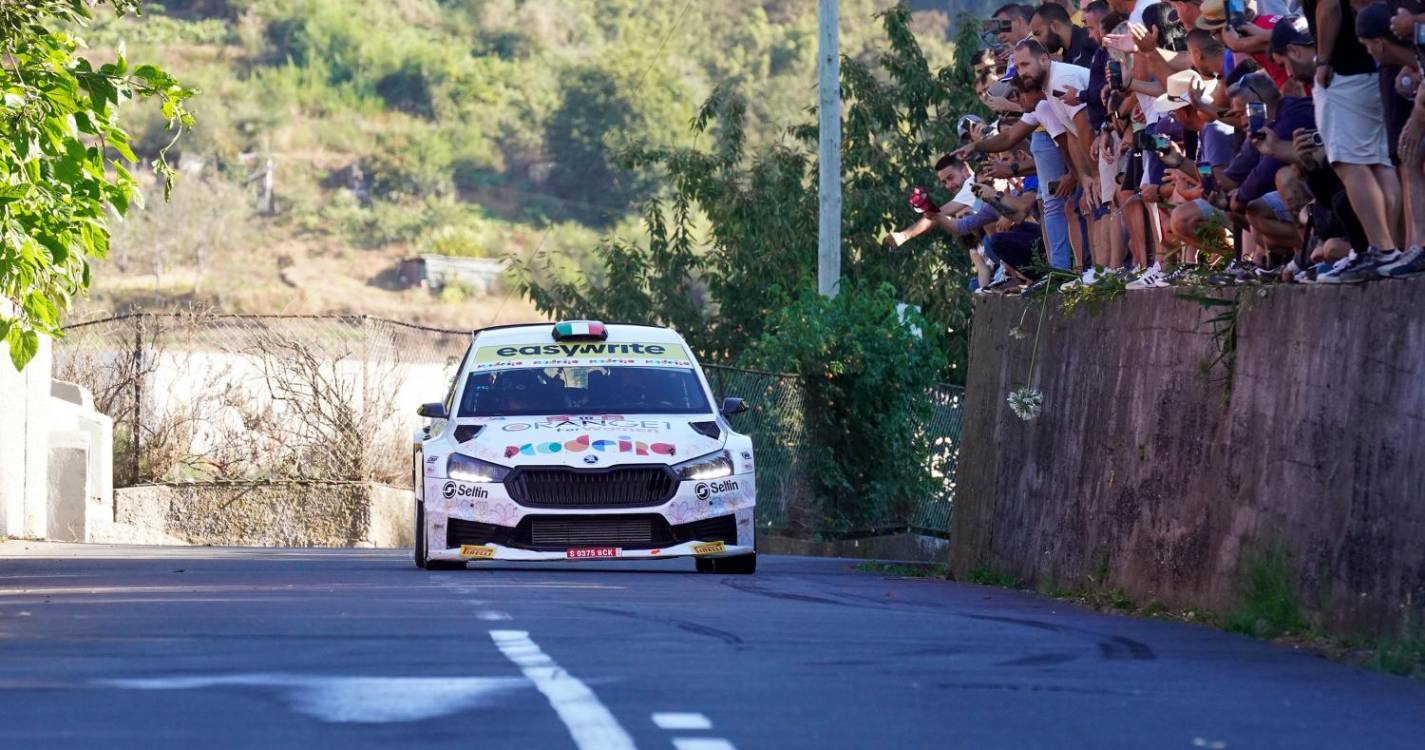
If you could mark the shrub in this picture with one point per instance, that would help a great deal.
(866, 365)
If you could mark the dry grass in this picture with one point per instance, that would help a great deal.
(296, 276)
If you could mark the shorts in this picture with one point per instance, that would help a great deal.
(1210, 212)
(1274, 199)
(1350, 118)
(1015, 248)
(1107, 176)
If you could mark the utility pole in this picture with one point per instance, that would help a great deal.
(828, 67)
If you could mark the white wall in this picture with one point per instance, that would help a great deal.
(24, 443)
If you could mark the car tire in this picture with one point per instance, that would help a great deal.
(422, 561)
(741, 565)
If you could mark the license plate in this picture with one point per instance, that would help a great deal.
(580, 553)
(711, 548)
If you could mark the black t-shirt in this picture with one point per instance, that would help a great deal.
(1349, 57)
(1081, 48)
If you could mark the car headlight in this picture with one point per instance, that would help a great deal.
(711, 466)
(468, 469)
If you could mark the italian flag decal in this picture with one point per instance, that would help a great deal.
(580, 329)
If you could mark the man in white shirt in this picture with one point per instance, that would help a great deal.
(1067, 126)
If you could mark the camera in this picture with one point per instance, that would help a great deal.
(1150, 141)
(1256, 116)
(1115, 75)
(1316, 138)
(996, 26)
(1420, 34)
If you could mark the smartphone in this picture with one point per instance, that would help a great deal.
(1115, 75)
(1236, 14)
(1053, 186)
(1420, 34)
(1256, 116)
(1204, 170)
(1058, 94)
(997, 26)
(1150, 141)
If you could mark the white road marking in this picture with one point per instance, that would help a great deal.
(346, 699)
(702, 743)
(681, 721)
(492, 615)
(589, 722)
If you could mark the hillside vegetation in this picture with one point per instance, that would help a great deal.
(465, 127)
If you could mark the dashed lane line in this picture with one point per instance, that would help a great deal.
(672, 720)
(589, 722)
(702, 743)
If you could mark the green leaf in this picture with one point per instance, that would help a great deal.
(12, 193)
(24, 345)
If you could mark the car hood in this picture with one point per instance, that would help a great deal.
(590, 440)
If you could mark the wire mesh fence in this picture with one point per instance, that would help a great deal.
(235, 398)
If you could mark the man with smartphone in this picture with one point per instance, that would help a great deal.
(1062, 123)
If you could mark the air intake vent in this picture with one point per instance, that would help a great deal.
(706, 428)
(467, 432)
(618, 487)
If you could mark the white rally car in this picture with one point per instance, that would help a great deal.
(582, 441)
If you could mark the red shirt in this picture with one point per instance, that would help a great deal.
(1278, 73)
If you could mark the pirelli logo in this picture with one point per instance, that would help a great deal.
(476, 552)
(711, 548)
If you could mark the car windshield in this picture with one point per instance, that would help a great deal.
(573, 390)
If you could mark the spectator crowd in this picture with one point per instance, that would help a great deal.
(1222, 142)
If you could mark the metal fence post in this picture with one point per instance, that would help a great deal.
(135, 428)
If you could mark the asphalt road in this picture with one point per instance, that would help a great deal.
(213, 648)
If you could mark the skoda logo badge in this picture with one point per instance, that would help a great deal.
(702, 491)
(448, 490)
(591, 459)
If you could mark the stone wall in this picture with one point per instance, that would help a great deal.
(262, 515)
(1146, 472)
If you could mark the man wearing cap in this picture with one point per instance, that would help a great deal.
(1349, 115)
(1251, 39)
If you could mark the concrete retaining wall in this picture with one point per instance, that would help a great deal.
(262, 515)
(1144, 472)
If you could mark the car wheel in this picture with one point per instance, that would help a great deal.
(742, 565)
(422, 561)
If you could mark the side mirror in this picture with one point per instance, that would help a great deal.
(731, 406)
(435, 410)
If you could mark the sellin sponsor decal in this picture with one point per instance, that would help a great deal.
(705, 490)
(452, 489)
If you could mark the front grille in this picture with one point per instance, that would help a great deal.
(563, 532)
(618, 487)
(719, 529)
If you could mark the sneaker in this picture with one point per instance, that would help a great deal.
(1409, 263)
(1088, 279)
(1232, 274)
(1039, 287)
(1182, 276)
(1150, 279)
(1361, 268)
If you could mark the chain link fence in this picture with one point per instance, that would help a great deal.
(241, 398)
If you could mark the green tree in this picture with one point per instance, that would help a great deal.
(762, 214)
(62, 160)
